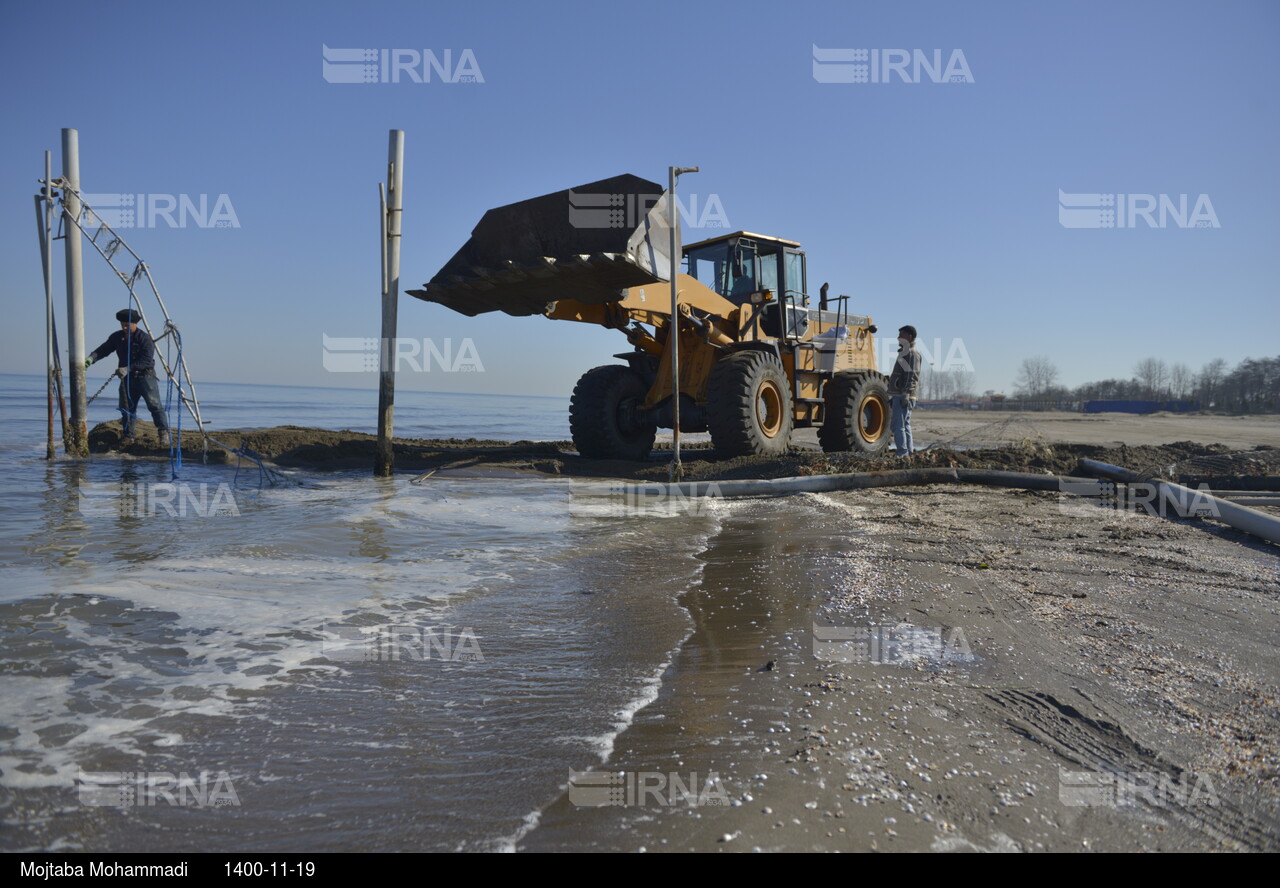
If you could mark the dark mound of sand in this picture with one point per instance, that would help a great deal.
(296, 446)
(323, 449)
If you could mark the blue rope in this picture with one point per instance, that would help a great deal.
(244, 452)
(175, 381)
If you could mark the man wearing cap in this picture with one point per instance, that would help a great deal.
(137, 355)
(904, 385)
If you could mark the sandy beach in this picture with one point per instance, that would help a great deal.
(1126, 646)
(935, 668)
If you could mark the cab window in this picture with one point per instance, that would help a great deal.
(795, 275)
(742, 273)
(769, 274)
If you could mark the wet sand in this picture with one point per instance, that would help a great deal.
(1102, 644)
(1106, 681)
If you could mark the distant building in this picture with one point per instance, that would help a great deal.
(1132, 406)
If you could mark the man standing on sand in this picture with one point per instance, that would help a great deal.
(137, 355)
(904, 385)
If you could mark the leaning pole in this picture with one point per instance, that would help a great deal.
(385, 462)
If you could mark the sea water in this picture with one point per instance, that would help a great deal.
(335, 663)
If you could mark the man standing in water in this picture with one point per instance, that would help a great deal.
(137, 355)
(904, 385)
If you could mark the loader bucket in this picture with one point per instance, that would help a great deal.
(587, 243)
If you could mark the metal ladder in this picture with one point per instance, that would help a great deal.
(794, 301)
(109, 244)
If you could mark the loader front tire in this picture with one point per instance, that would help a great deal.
(856, 413)
(749, 405)
(602, 415)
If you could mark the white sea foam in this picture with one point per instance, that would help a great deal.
(242, 619)
(195, 618)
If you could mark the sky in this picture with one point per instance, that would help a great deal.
(953, 206)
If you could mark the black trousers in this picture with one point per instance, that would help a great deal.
(141, 386)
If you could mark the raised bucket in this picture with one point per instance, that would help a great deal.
(588, 243)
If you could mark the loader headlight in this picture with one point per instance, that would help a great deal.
(760, 296)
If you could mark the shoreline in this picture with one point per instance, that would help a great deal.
(1113, 689)
(1102, 646)
(324, 450)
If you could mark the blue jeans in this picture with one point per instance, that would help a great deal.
(901, 425)
(137, 386)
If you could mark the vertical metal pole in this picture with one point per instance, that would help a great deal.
(46, 261)
(673, 336)
(673, 218)
(385, 462)
(78, 440)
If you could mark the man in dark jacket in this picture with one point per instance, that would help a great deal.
(136, 353)
(904, 385)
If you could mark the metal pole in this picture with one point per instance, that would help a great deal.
(78, 440)
(385, 462)
(49, 209)
(673, 225)
(42, 221)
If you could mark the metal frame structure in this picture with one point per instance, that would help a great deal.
(109, 244)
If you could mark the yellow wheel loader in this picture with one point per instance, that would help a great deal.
(756, 359)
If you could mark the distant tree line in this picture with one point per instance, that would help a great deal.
(946, 385)
(1252, 387)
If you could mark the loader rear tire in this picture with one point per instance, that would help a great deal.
(856, 414)
(602, 414)
(749, 405)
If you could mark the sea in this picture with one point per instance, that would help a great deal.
(321, 660)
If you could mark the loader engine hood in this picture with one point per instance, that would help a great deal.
(588, 243)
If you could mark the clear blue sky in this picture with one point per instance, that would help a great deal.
(934, 204)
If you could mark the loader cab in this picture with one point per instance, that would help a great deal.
(736, 265)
